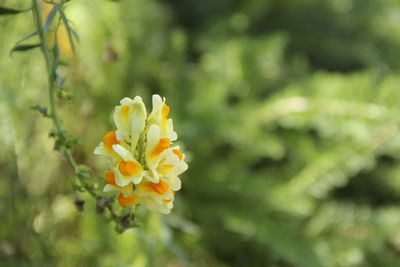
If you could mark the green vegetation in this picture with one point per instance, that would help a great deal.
(288, 113)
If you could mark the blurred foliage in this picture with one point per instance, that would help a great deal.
(287, 110)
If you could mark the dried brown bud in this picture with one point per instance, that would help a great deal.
(79, 204)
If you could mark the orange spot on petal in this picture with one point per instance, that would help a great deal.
(162, 145)
(125, 111)
(160, 188)
(109, 140)
(110, 178)
(129, 168)
(164, 113)
(178, 153)
(124, 201)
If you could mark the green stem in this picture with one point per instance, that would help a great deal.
(50, 69)
(52, 93)
(51, 77)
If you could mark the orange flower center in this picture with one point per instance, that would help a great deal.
(160, 188)
(162, 145)
(109, 140)
(129, 168)
(110, 178)
(124, 201)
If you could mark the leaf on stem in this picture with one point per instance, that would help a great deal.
(77, 187)
(75, 34)
(21, 48)
(84, 171)
(47, 25)
(50, 18)
(69, 30)
(41, 109)
(59, 80)
(11, 11)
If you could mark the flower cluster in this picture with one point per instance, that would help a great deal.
(144, 164)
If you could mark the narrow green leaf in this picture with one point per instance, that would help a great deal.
(47, 25)
(75, 34)
(41, 109)
(84, 171)
(56, 52)
(64, 63)
(59, 80)
(78, 187)
(21, 48)
(10, 11)
(65, 21)
(27, 37)
(50, 18)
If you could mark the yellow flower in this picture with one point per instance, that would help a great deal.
(155, 196)
(144, 166)
(172, 164)
(127, 169)
(159, 117)
(126, 194)
(130, 118)
(159, 196)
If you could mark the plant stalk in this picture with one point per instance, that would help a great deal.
(50, 69)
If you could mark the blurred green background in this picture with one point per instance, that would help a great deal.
(288, 112)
